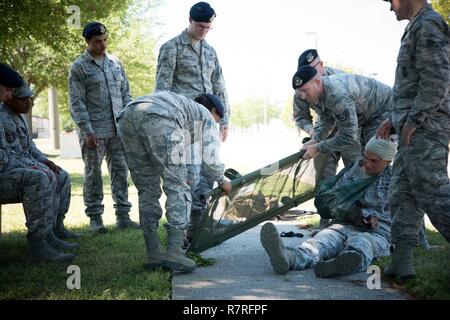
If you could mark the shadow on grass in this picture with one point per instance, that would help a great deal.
(111, 267)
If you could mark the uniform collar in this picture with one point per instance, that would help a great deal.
(185, 39)
(419, 13)
(89, 58)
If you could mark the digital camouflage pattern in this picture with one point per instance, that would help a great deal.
(185, 69)
(339, 237)
(304, 121)
(158, 132)
(355, 105)
(420, 182)
(25, 178)
(98, 94)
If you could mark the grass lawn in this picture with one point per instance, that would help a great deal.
(432, 269)
(111, 265)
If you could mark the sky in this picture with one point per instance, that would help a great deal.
(258, 41)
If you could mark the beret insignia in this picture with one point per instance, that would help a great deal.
(298, 82)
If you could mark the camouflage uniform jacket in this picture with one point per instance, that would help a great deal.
(17, 149)
(184, 70)
(422, 80)
(97, 95)
(349, 102)
(302, 109)
(194, 120)
(375, 198)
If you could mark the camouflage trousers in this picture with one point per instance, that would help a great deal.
(61, 198)
(43, 195)
(338, 238)
(111, 149)
(326, 164)
(154, 150)
(420, 185)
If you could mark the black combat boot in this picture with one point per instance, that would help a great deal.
(40, 251)
(124, 221)
(97, 223)
(59, 244)
(61, 232)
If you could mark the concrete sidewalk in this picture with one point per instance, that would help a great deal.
(242, 271)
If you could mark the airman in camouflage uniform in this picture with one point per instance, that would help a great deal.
(354, 104)
(421, 119)
(325, 164)
(344, 247)
(153, 129)
(98, 90)
(304, 120)
(189, 66)
(28, 176)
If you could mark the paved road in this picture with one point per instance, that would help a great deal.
(242, 271)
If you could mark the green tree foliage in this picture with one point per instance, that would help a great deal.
(443, 7)
(129, 40)
(251, 111)
(37, 41)
(132, 42)
(287, 115)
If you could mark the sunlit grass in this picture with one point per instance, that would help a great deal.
(111, 267)
(432, 270)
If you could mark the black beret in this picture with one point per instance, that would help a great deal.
(93, 29)
(302, 76)
(202, 12)
(307, 57)
(216, 103)
(9, 77)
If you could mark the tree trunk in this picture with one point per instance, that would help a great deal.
(53, 117)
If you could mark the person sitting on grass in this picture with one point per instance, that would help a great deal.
(357, 199)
